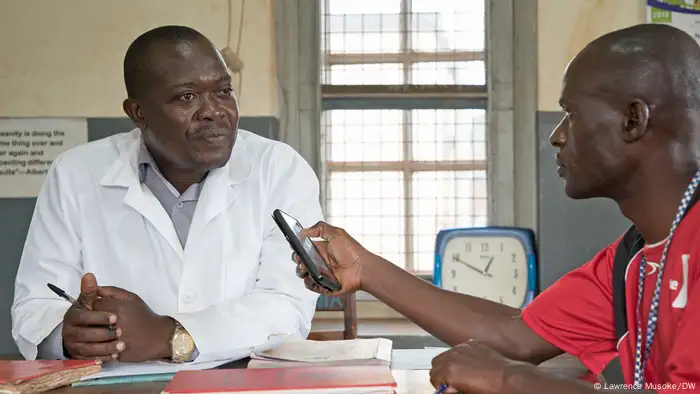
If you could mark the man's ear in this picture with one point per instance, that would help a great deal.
(637, 122)
(134, 112)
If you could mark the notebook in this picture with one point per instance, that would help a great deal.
(297, 352)
(37, 376)
(312, 379)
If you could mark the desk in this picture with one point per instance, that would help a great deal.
(409, 382)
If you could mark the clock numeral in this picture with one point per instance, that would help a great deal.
(454, 288)
(453, 272)
(468, 247)
(500, 299)
(484, 248)
(515, 273)
(514, 290)
(502, 246)
(455, 257)
(513, 258)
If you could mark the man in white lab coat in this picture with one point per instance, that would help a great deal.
(166, 231)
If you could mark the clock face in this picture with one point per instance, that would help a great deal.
(490, 267)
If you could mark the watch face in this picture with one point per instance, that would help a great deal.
(182, 344)
(490, 267)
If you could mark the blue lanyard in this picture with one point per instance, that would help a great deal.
(641, 362)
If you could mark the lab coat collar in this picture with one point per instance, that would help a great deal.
(125, 170)
(216, 196)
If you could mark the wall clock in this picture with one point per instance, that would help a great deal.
(495, 263)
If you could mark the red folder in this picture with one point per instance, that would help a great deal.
(351, 379)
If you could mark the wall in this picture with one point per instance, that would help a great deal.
(565, 27)
(70, 66)
(571, 232)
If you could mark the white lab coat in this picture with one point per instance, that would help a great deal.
(232, 286)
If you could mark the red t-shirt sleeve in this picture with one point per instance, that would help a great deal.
(683, 364)
(575, 314)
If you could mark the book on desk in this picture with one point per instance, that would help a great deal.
(297, 353)
(301, 366)
(38, 376)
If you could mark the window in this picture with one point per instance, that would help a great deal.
(404, 139)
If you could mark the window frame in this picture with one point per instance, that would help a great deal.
(403, 97)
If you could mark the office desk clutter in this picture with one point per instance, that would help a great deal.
(38, 376)
(359, 379)
(115, 372)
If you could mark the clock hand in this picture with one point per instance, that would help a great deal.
(472, 267)
(486, 270)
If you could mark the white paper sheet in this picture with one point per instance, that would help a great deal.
(113, 369)
(28, 146)
(415, 358)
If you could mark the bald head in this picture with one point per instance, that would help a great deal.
(145, 52)
(656, 63)
(632, 103)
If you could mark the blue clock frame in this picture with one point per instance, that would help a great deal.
(525, 235)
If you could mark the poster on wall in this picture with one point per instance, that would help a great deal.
(683, 14)
(28, 146)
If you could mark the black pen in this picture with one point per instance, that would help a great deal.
(72, 300)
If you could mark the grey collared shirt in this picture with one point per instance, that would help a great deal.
(180, 207)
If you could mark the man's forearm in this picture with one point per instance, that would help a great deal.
(528, 379)
(453, 317)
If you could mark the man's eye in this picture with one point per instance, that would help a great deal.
(228, 91)
(187, 97)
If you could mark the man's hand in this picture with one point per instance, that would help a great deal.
(146, 334)
(473, 368)
(86, 333)
(341, 252)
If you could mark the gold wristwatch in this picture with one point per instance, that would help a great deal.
(182, 344)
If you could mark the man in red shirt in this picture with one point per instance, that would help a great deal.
(632, 103)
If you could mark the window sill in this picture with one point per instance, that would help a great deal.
(369, 307)
(362, 296)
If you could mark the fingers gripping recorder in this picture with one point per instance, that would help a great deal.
(306, 250)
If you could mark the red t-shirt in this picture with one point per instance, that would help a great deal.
(576, 313)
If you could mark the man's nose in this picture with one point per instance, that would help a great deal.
(210, 108)
(558, 136)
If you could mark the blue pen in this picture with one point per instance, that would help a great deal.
(441, 389)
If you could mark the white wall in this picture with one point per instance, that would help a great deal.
(564, 27)
(64, 57)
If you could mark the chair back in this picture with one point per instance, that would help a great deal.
(345, 303)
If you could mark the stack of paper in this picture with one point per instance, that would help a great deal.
(295, 353)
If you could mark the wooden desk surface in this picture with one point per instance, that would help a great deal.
(409, 382)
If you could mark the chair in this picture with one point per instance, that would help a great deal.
(346, 304)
